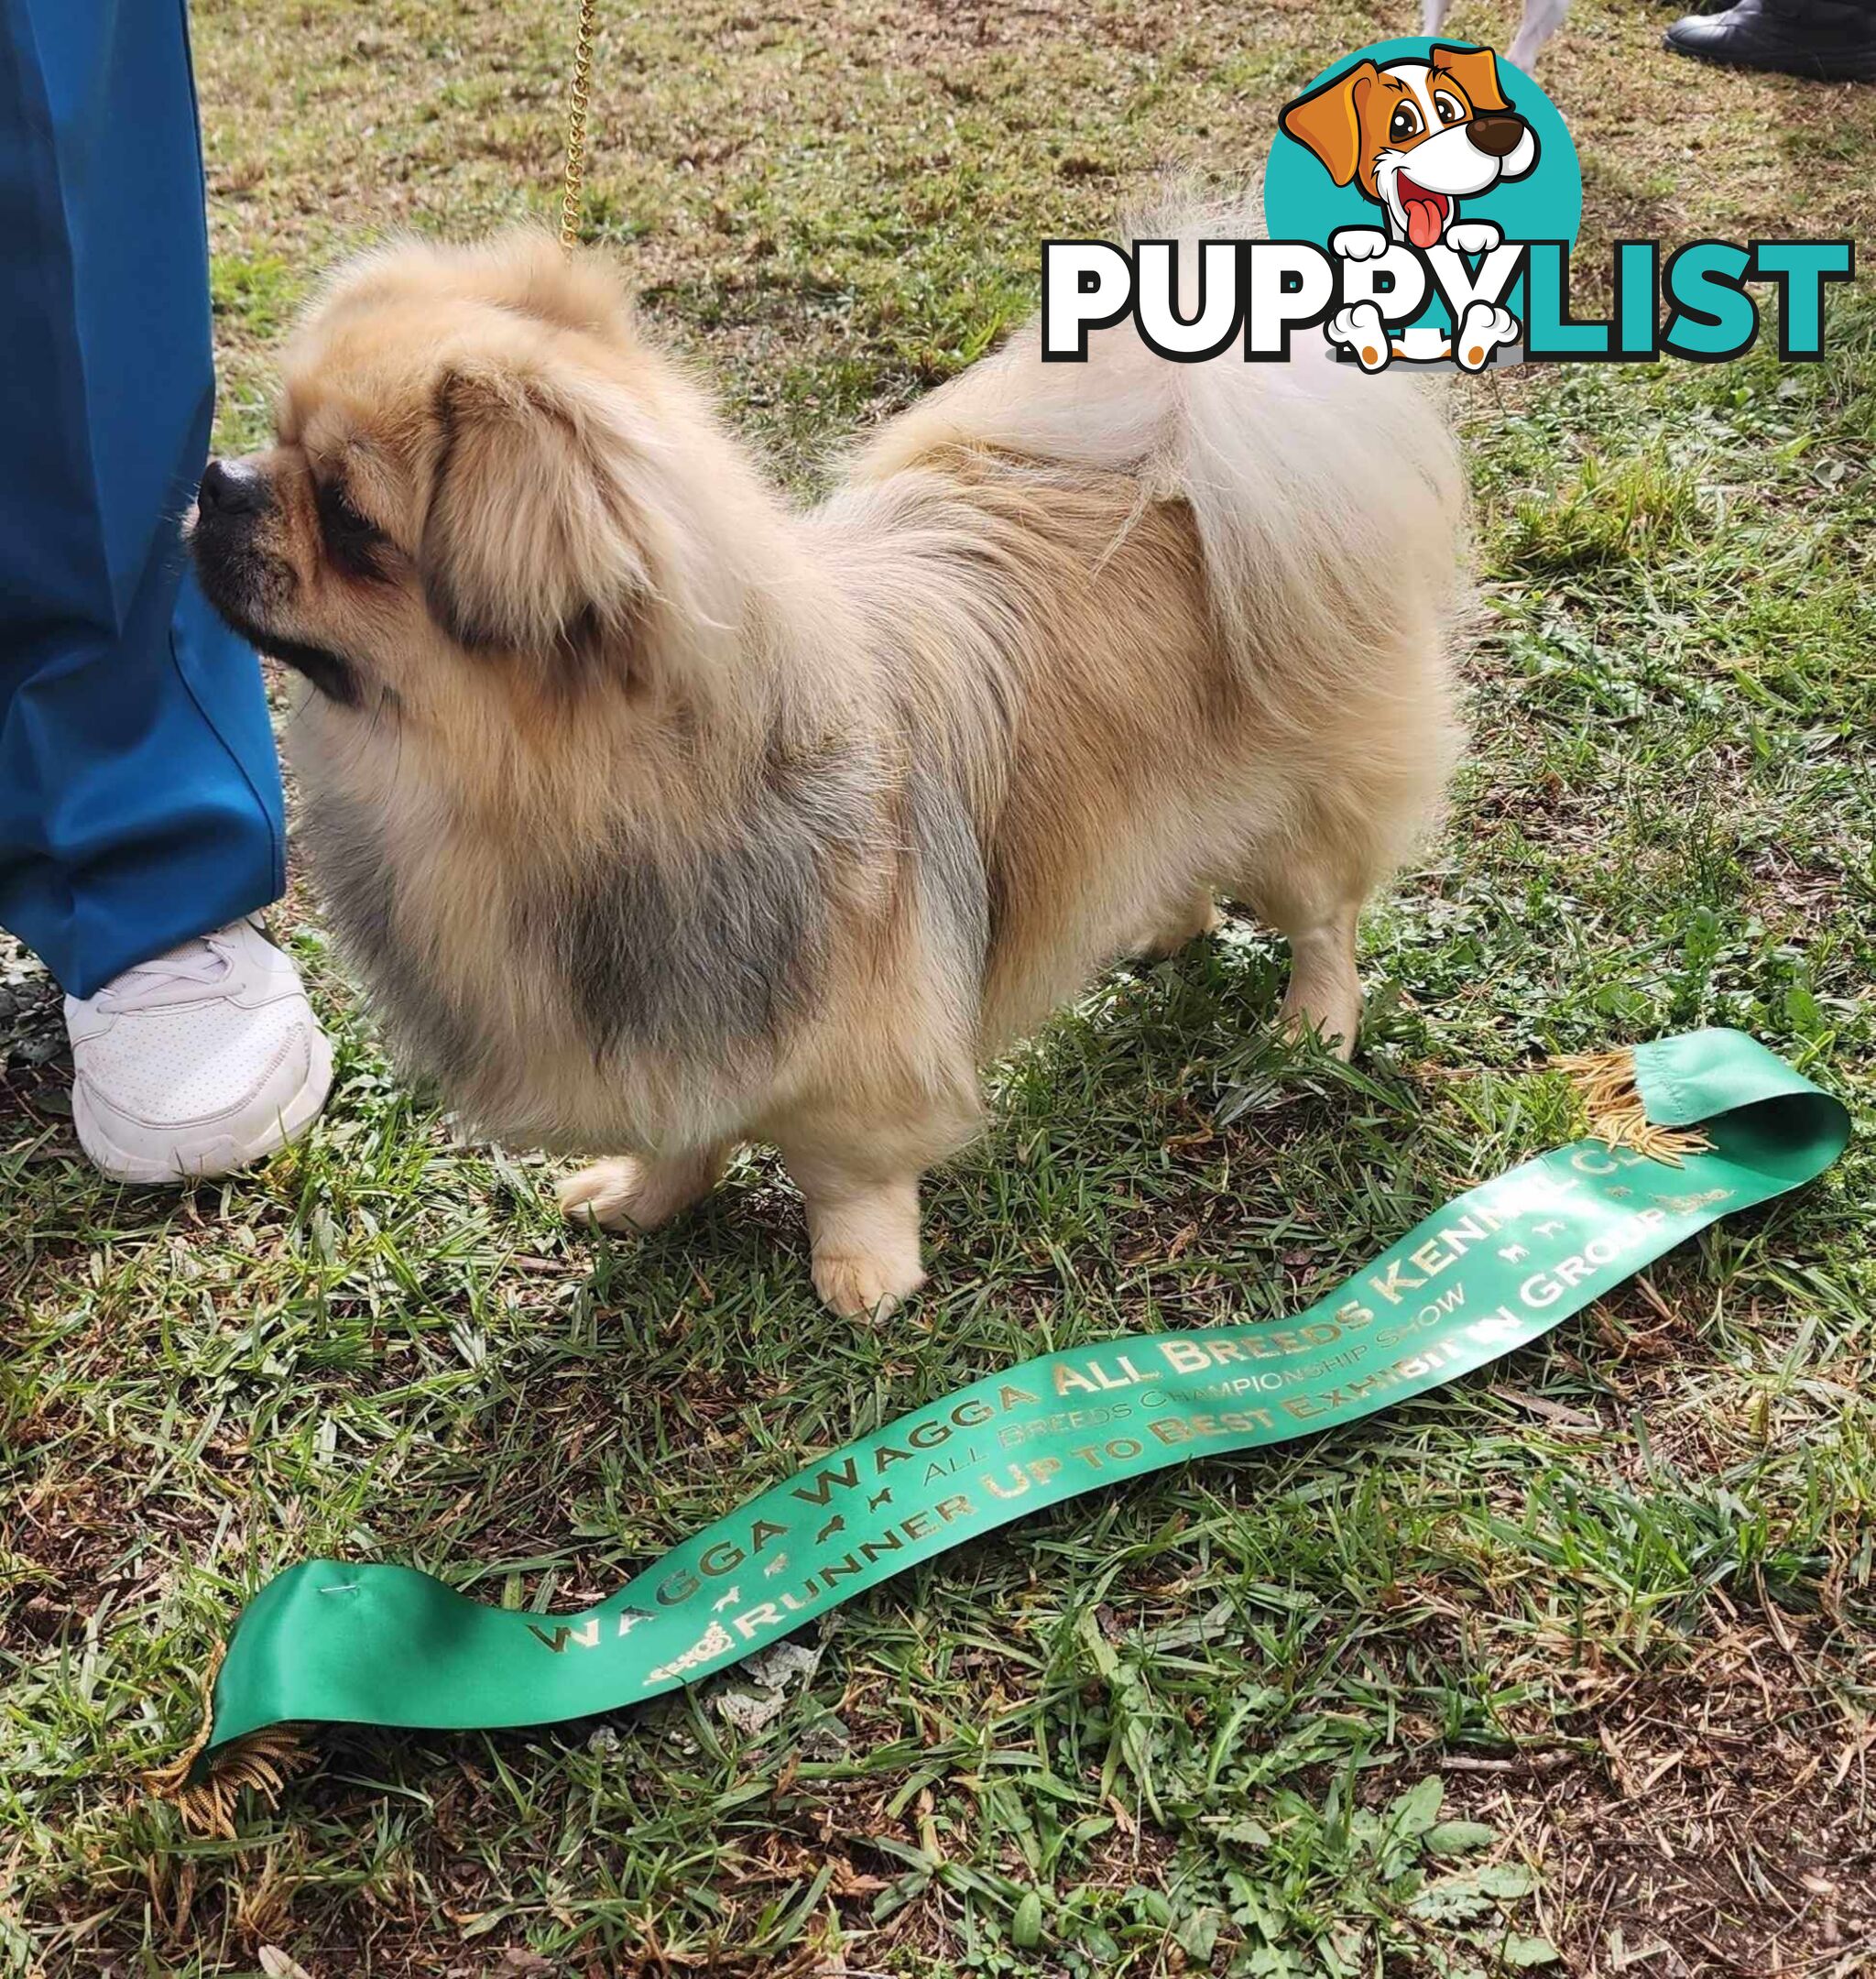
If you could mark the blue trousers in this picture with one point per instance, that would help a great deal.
(139, 789)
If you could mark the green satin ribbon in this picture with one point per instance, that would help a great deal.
(343, 1643)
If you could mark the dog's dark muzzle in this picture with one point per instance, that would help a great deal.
(230, 504)
(243, 582)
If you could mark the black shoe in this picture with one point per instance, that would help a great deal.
(1828, 40)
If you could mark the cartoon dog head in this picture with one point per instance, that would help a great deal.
(1416, 135)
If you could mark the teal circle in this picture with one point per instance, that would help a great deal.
(1302, 203)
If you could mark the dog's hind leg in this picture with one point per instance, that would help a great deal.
(1311, 897)
(628, 1193)
(1324, 991)
(1194, 917)
(1349, 822)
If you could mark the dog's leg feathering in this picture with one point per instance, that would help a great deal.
(626, 1193)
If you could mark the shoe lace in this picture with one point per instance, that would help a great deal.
(206, 960)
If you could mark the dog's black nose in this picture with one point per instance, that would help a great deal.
(1497, 136)
(229, 488)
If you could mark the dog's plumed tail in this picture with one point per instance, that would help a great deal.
(1330, 504)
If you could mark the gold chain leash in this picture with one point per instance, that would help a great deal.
(576, 129)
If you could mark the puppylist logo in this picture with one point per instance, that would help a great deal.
(1421, 200)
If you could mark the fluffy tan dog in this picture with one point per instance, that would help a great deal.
(660, 815)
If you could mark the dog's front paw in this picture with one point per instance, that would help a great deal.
(858, 1284)
(1359, 244)
(1474, 237)
(626, 1194)
(1359, 327)
(1483, 329)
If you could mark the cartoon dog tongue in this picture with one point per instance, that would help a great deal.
(1423, 217)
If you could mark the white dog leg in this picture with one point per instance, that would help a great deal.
(1432, 16)
(1542, 20)
(1360, 327)
(1474, 237)
(1483, 329)
(1359, 244)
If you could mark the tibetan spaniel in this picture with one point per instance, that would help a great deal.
(660, 814)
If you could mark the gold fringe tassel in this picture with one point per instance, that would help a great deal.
(264, 1760)
(1606, 1083)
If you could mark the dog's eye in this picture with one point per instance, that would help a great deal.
(352, 541)
(1451, 110)
(1406, 123)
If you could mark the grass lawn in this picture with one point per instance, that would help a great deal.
(1614, 1598)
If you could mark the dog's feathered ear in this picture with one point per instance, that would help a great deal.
(528, 541)
(1475, 71)
(1328, 120)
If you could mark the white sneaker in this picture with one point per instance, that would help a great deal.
(197, 1062)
